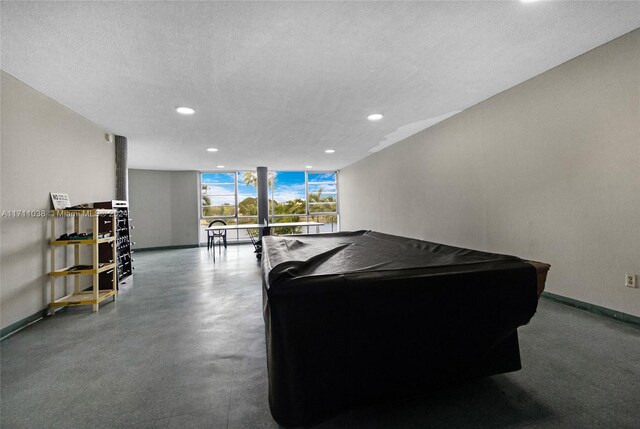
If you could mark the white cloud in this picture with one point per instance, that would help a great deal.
(288, 192)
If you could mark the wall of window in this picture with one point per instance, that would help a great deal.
(294, 196)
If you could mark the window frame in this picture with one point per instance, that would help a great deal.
(314, 183)
(235, 196)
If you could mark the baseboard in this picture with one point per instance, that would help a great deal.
(182, 246)
(21, 324)
(592, 308)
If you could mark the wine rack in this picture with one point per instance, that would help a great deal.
(123, 243)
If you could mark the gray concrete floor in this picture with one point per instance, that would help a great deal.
(183, 347)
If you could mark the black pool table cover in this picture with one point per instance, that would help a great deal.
(357, 317)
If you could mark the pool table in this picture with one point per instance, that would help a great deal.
(357, 317)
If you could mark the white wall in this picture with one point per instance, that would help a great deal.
(45, 148)
(548, 170)
(164, 208)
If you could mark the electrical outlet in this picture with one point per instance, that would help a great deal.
(630, 280)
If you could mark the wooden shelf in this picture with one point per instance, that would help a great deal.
(66, 272)
(82, 212)
(83, 298)
(102, 257)
(78, 242)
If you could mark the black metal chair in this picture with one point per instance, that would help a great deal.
(212, 235)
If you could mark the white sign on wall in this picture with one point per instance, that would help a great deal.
(60, 201)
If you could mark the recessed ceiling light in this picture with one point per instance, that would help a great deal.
(308, 166)
(221, 166)
(374, 117)
(212, 149)
(185, 110)
(329, 151)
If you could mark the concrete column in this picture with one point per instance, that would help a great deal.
(263, 196)
(122, 169)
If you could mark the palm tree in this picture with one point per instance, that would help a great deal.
(316, 197)
(250, 178)
(206, 200)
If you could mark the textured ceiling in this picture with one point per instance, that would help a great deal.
(277, 83)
